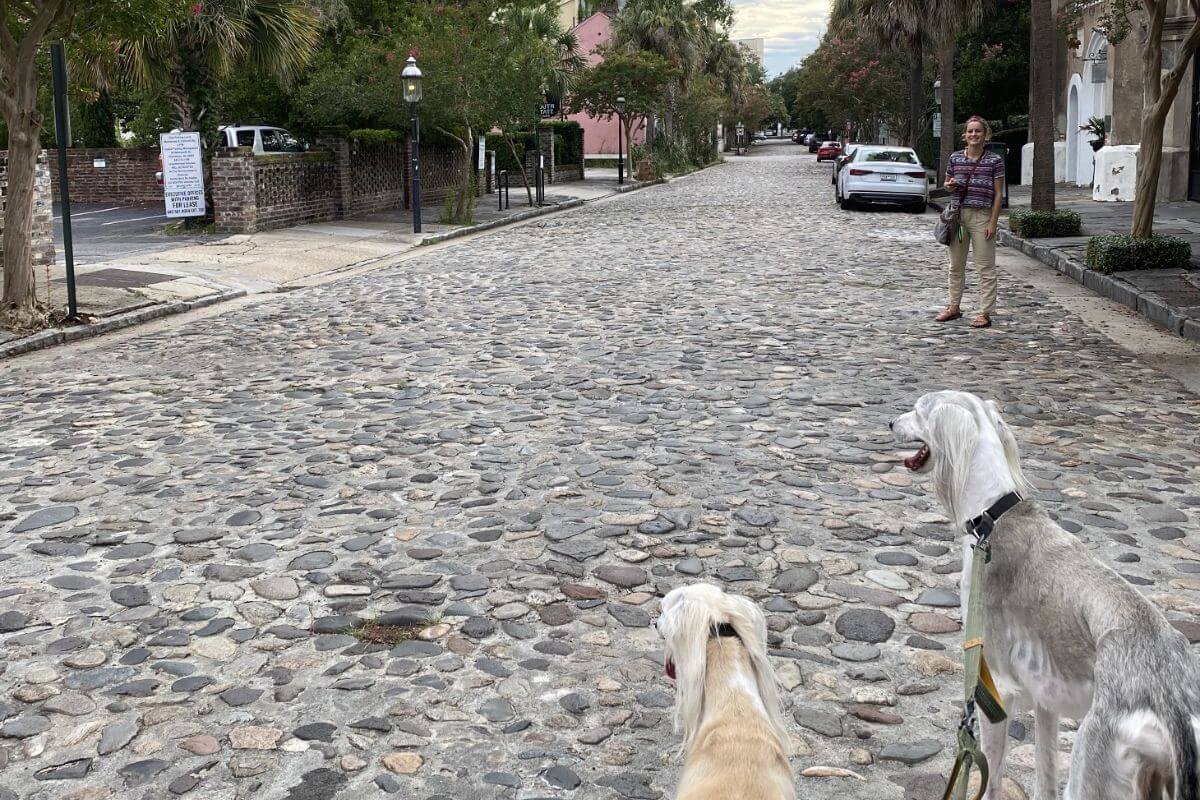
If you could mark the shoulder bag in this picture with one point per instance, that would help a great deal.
(950, 220)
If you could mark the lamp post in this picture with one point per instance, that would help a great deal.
(412, 94)
(620, 129)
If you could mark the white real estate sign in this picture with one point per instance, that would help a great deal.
(183, 174)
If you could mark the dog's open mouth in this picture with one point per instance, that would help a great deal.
(670, 666)
(917, 459)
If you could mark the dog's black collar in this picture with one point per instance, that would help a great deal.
(724, 629)
(981, 527)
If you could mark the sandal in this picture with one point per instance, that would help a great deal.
(948, 315)
(982, 321)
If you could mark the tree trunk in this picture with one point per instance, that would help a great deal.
(461, 212)
(1041, 108)
(1159, 94)
(20, 298)
(1149, 165)
(948, 139)
(916, 92)
(512, 148)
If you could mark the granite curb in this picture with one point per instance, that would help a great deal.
(1148, 304)
(74, 333)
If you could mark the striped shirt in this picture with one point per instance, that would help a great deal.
(982, 189)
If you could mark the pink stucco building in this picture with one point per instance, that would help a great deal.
(600, 133)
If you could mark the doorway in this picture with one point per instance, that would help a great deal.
(1194, 154)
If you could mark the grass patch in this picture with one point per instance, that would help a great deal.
(185, 228)
(391, 635)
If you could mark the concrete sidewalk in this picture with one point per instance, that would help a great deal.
(150, 282)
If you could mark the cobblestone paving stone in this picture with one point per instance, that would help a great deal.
(516, 444)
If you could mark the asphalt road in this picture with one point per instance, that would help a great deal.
(111, 232)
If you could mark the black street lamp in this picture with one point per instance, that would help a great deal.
(620, 129)
(412, 94)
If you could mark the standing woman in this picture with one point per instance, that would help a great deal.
(975, 178)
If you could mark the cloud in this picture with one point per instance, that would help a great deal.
(792, 28)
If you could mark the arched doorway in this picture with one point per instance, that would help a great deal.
(1073, 134)
(1092, 103)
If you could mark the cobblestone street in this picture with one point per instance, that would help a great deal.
(512, 446)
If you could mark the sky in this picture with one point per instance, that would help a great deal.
(792, 28)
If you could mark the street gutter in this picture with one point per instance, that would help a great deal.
(1148, 304)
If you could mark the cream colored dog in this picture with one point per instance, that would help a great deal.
(726, 697)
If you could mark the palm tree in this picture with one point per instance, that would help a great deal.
(187, 59)
(668, 28)
(1041, 105)
(552, 56)
(955, 17)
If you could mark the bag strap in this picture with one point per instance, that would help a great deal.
(962, 194)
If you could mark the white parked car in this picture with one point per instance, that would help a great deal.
(263, 139)
(885, 175)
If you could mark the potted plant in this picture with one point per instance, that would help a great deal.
(1096, 127)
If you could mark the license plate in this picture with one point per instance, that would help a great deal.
(887, 177)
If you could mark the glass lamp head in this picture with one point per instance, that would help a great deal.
(412, 81)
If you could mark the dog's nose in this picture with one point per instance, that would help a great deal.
(891, 425)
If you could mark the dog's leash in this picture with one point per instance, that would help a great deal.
(979, 690)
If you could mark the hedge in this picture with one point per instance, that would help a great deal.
(524, 142)
(1120, 252)
(568, 144)
(1039, 224)
(570, 149)
(375, 135)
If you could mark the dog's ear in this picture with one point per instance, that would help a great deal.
(953, 435)
(750, 625)
(1012, 454)
(686, 629)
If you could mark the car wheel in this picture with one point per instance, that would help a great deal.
(845, 203)
(917, 208)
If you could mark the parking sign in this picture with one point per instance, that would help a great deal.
(183, 174)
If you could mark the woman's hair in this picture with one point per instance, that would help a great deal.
(987, 129)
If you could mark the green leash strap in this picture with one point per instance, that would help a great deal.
(968, 754)
(979, 690)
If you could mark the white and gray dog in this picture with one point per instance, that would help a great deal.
(1063, 633)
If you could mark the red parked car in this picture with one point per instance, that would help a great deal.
(829, 151)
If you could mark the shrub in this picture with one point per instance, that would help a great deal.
(568, 145)
(375, 136)
(1119, 252)
(1039, 224)
(524, 142)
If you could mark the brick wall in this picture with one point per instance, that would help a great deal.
(254, 193)
(127, 177)
(377, 175)
(43, 213)
(564, 173)
(296, 189)
(440, 171)
(234, 191)
(338, 180)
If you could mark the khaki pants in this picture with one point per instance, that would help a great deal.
(973, 222)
